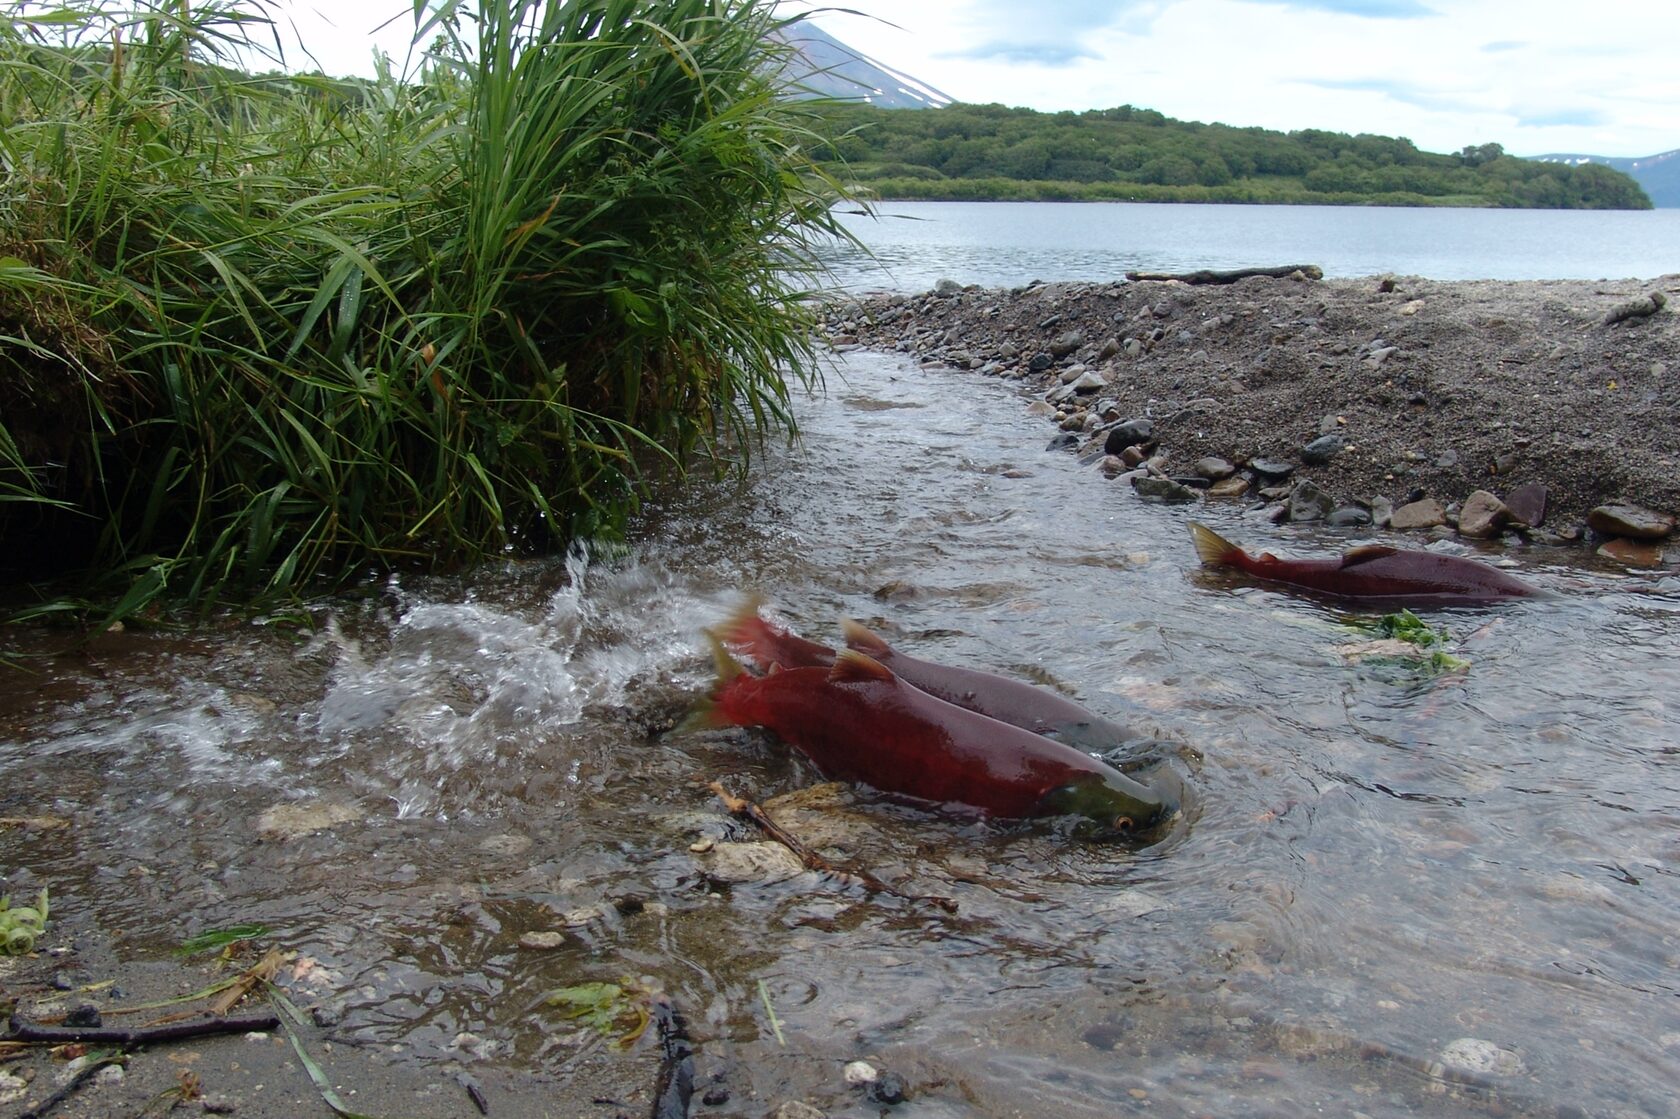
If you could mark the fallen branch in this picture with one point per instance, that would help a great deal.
(813, 861)
(1641, 307)
(25, 1030)
(87, 1073)
(1205, 276)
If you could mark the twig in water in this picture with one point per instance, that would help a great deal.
(675, 1086)
(775, 1023)
(738, 806)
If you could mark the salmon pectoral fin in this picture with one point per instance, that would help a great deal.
(853, 667)
(864, 640)
(1211, 548)
(744, 628)
(1365, 553)
(708, 713)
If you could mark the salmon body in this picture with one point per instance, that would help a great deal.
(1372, 571)
(1010, 701)
(856, 721)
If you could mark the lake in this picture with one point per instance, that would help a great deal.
(1008, 244)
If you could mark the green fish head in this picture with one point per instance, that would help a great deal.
(1111, 801)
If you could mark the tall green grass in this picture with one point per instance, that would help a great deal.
(262, 333)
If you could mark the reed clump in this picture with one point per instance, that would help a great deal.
(261, 333)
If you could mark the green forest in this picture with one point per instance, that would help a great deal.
(990, 152)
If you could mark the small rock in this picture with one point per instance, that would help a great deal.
(1128, 434)
(761, 862)
(1214, 468)
(1063, 441)
(1483, 515)
(1133, 456)
(1321, 450)
(1447, 459)
(1308, 503)
(1634, 553)
(1039, 362)
(1348, 516)
(293, 821)
(542, 941)
(1271, 470)
(945, 289)
(1619, 518)
(84, 1015)
(1411, 308)
(1481, 1058)
(715, 1096)
(888, 1088)
(1067, 342)
(796, 1109)
(1163, 490)
(1382, 512)
(1381, 354)
(1527, 504)
(1089, 381)
(861, 1072)
(1133, 347)
(1229, 487)
(217, 1104)
(1426, 513)
(108, 1076)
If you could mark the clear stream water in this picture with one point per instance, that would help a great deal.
(1379, 872)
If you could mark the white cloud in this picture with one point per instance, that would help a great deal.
(1534, 76)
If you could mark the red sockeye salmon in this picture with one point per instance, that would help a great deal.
(856, 721)
(1371, 571)
(1011, 701)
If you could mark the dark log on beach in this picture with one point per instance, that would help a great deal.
(25, 1030)
(1310, 271)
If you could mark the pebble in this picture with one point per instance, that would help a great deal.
(760, 861)
(292, 821)
(796, 1109)
(1309, 503)
(860, 1072)
(1164, 490)
(217, 1104)
(1426, 513)
(1321, 450)
(887, 1088)
(1128, 434)
(1633, 553)
(1620, 518)
(1234, 486)
(1214, 468)
(1271, 470)
(1481, 1058)
(545, 941)
(1527, 503)
(1482, 515)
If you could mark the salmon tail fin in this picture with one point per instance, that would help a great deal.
(1213, 549)
(744, 627)
(853, 667)
(864, 640)
(708, 714)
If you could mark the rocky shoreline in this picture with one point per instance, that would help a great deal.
(1546, 410)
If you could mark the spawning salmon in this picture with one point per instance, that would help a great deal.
(1011, 701)
(1369, 571)
(856, 721)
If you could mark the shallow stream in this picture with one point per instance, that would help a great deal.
(1393, 891)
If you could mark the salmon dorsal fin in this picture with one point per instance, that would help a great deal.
(864, 640)
(853, 667)
(1365, 553)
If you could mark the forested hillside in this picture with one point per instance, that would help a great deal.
(965, 151)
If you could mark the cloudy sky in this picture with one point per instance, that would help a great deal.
(1534, 75)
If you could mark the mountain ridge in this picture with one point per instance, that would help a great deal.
(1658, 174)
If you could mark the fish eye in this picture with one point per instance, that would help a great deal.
(1124, 823)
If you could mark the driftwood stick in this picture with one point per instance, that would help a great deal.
(1205, 276)
(88, 1072)
(738, 806)
(25, 1030)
